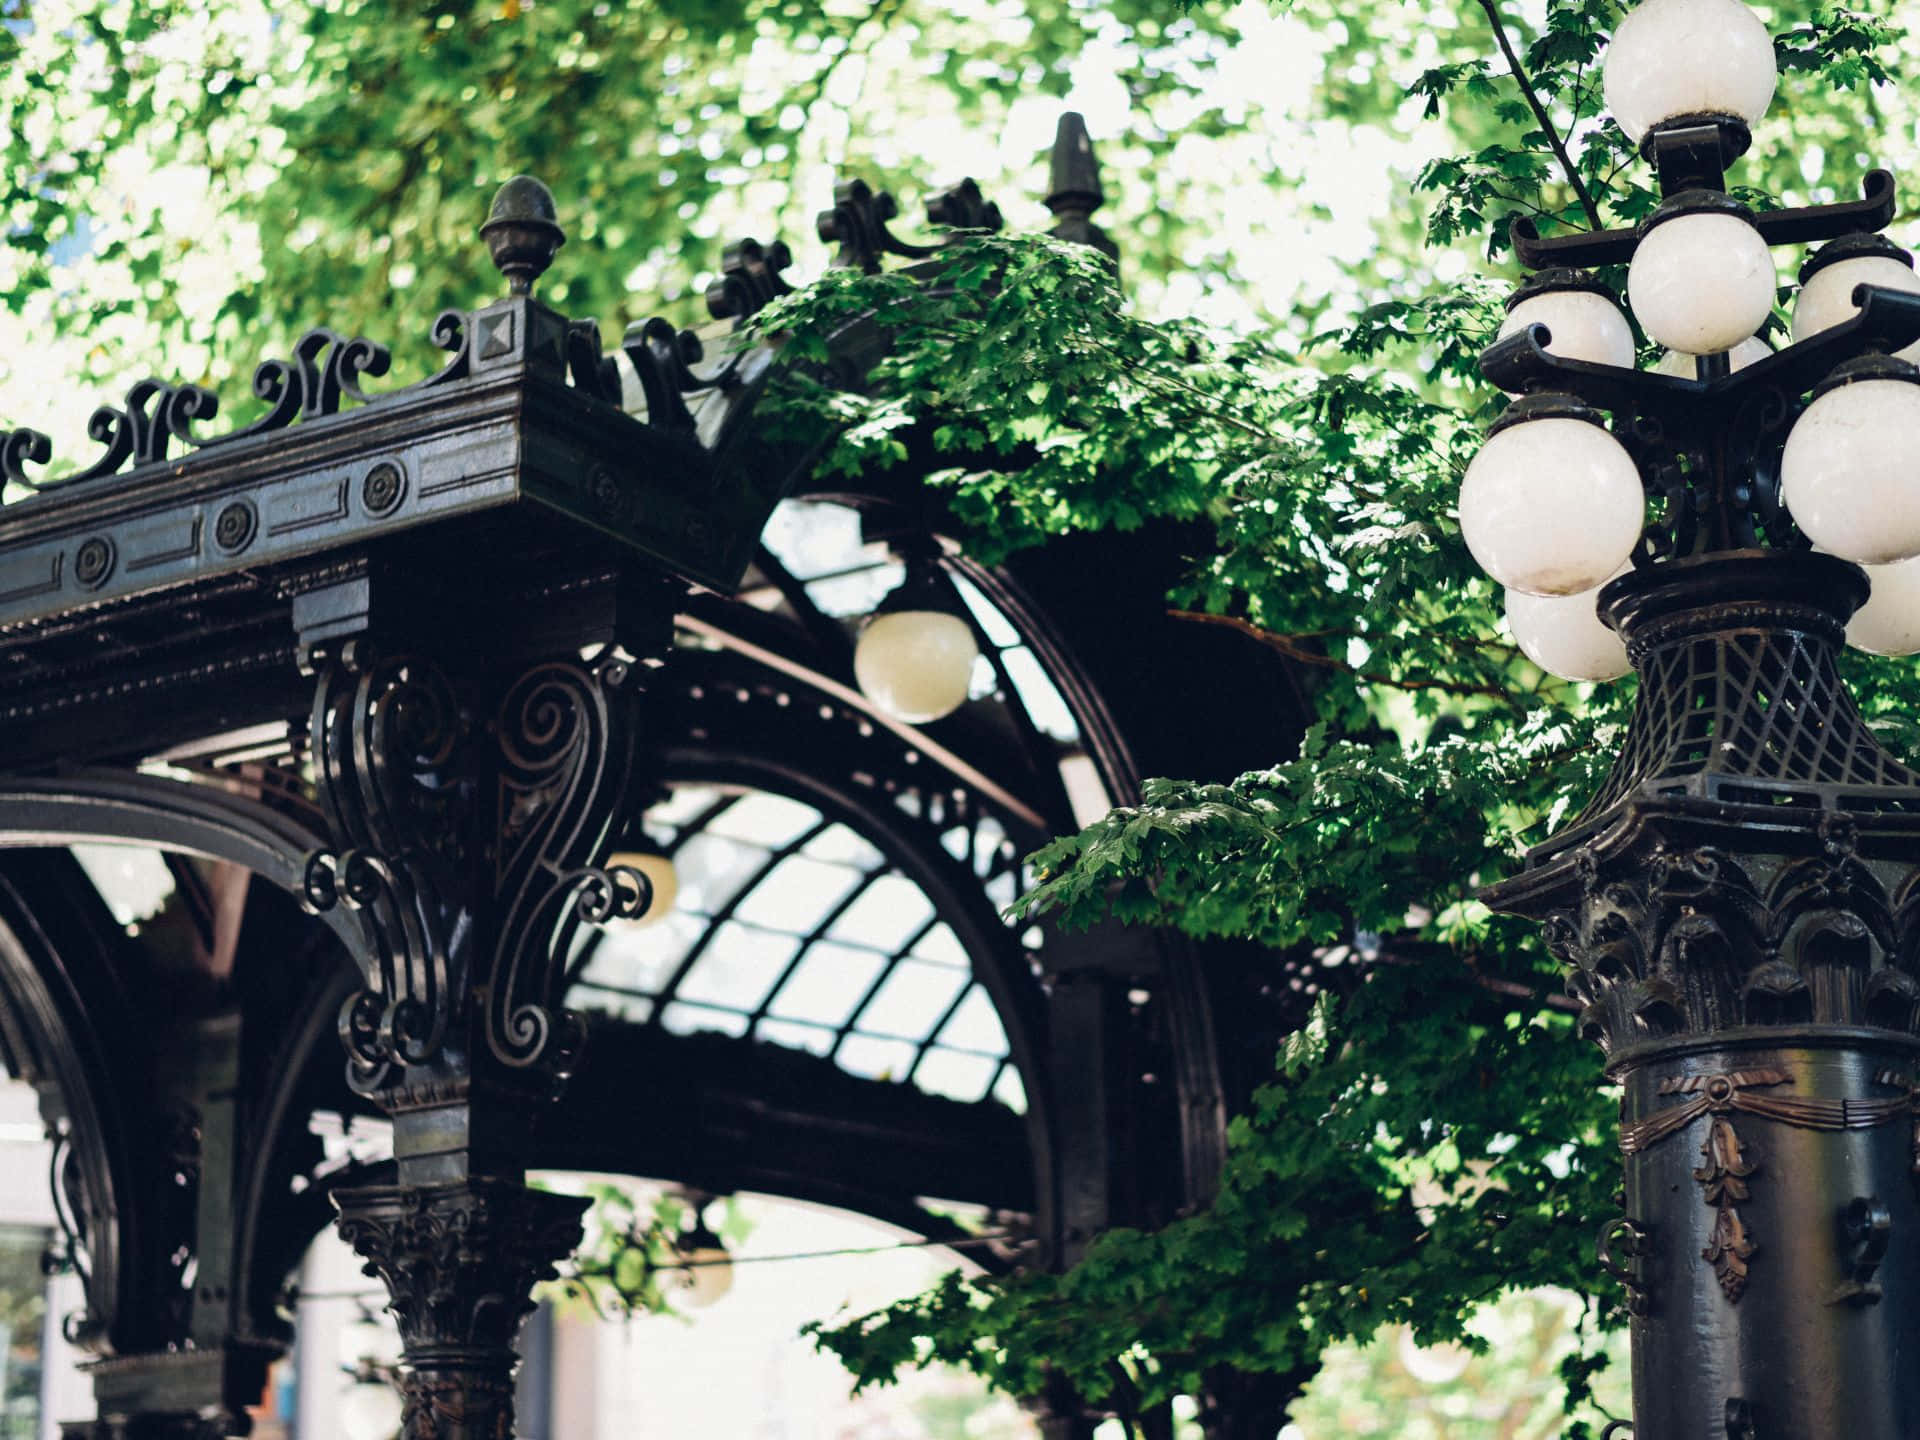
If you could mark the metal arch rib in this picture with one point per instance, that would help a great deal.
(113, 807)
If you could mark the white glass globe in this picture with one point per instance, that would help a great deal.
(1742, 355)
(1585, 326)
(1889, 623)
(1701, 283)
(709, 1275)
(1850, 472)
(1826, 300)
(915, 664)
(1551, 506)
(1689, 57)
(1564, 635)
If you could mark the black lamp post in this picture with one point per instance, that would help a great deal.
(1740, 905)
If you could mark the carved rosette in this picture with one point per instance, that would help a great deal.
(460, 1263)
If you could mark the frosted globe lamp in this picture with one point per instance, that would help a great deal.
(1552, 504)
(661, 876)
(1701, 279)
(1742, 355)
(914, 658)
(1689, 60)
(708, 1266)
(1850, 472)
(1565, 636)
(1828, 279)
(1889, 622)
(1579, 313)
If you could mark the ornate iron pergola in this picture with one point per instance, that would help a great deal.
(389, 674)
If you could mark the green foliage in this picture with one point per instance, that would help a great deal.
(630, 1262)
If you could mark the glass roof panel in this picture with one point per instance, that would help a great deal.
(644, 957)
(133, 880)
(682, 1019)
(845, 847)
(739, 966)
(975, 1026)
(913, 999)
(828, 984)
(943, 947)
(955, 1075)
(888, 914)
(814, 1039)
(872, 1058)
(799, 894)
(1009, 1091)
(713, 870)
(772, 821)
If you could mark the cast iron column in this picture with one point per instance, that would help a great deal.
(1740, 909)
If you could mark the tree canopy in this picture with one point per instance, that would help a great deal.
(1434, 1137)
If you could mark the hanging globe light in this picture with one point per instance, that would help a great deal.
(1830, 274)
(1689, 60)
(1565, 636)
(1850, 472)
(1701, 279)
(1579, 313)
(1552, 504)
(914, 658)
(708, 1266)
(1889, 622)
(1742, 355)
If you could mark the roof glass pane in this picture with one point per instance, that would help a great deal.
(942, 947)
(133, 880)
(872, 1058)
(684, 804)
(830, 981)
(889, 913)
(644, 957)
(858, 592)
(845, 847)
(713, 870)
(993, 623)
(811, 539)
(739, 967)
(1009, 1091)
(772, 821)
(814, 1039)
(1045, 704)
(912, 1000)
(636, 1009)
(799, 895)
(975, 1026)
(691, 1019)
(957, 1076)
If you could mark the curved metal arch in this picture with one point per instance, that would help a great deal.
(67, 1028)
(111, 807)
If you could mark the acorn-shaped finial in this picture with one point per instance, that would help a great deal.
(522, 232)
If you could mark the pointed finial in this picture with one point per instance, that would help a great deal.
(522, 232)
(1074, 186)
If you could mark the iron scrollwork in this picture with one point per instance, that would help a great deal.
(400, 761)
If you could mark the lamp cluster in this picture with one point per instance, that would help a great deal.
(1554, 505)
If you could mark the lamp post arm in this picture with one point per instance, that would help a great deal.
(1801, 225)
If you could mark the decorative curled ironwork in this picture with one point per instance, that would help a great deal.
(155, 413)
(385, 734)
(663, 358)
(962, 208)
(857, 223)
(325, 370)
(566, 756)
(749, 280)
